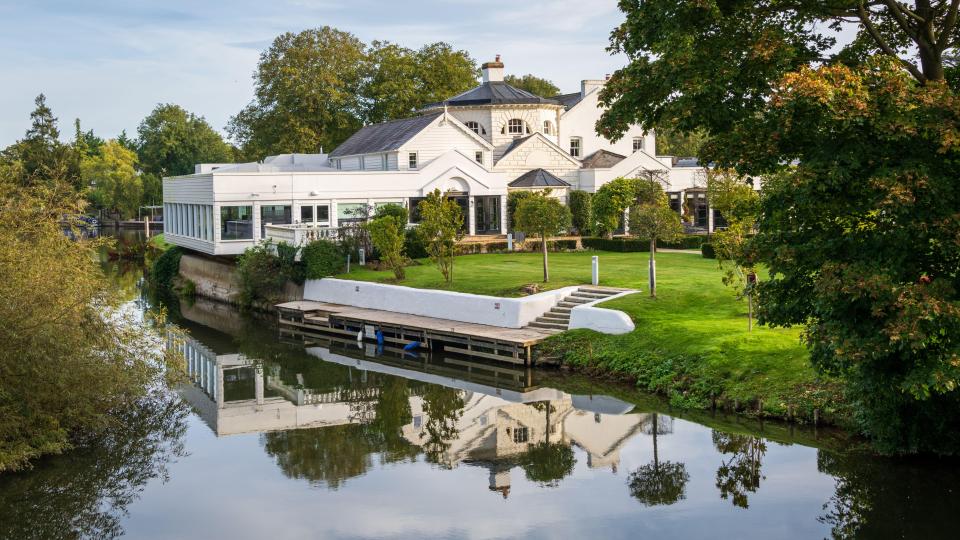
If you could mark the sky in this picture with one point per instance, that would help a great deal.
(110, 62)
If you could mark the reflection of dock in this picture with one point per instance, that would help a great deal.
(511, 345)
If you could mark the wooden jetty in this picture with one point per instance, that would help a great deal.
(513, 345)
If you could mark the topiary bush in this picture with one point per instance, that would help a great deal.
(581, 210)
(322, 258)
(708, 251)
(414, 245)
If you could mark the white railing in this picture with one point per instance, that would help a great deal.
(299, 234)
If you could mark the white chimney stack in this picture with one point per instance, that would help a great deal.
(588, 85)
(492, 71)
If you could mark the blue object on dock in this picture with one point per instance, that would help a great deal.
(379, 337)
(411, 346)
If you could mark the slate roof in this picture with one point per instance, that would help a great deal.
(538, 178)
(494, 93)
(383, 137)
(568, 100)
(602, 159)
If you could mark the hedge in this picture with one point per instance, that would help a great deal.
(322, 258)
(688, 241)
(621, 245)
(552, 245)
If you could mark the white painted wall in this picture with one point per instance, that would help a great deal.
(581, 119)
(473, 308)
(603, 320)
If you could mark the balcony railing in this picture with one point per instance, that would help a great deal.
(299, 234)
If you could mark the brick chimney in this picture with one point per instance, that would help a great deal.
(492, 71)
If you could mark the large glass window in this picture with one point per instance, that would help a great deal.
(414, 205)
(236, 223)
(306, 214)
(323, 214)
(487, 215)
(352, 212)
(274, 215)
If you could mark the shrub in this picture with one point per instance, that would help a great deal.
(688, 241)
(393, 210)
(581, 209)
(322, 258)
(707, 250)
(620, 245)
(260, 275)
(291, 268)
(414, 245)
(513, 200)
(387, 235)
(496, 247)
(165, 268)
(552, 245)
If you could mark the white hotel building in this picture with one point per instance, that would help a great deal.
(476, 146)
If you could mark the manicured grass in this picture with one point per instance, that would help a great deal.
(690, 344)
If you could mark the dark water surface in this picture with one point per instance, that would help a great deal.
(330, 440)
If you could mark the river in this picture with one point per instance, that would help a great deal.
(274, 438)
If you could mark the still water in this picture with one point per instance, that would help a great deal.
(274, 438)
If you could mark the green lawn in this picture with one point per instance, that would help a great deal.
(691, 343)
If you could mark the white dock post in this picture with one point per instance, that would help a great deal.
(363, 257)
(509, 241)
(596, 270)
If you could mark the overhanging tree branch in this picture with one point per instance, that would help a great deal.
(884, 46)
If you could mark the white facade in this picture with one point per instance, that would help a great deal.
(474, 151)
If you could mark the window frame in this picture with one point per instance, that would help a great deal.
(413, 160)
(579, 147)
(638, 144)
(515, 123)
(475, 127)
(225, 219)
(478, 156)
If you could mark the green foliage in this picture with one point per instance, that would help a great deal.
(708, 251)
(72, 359)
(620, 245)
(414, 245)
(671, 142)
(687, 241)
(441, 227)
(545, 216)
(165, 268)
(615, 197)
(547, 463)
(513, 200)
(533, 84)
(581, 211)
(293, 269)
(116, 185)
(306, 94)
(387, 232)
(737, 201)
(322, 258)
(40, 157)
(396, 211)
(260, 276)
(400, 81)
(170, 141)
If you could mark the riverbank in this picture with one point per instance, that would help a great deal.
(690, 344)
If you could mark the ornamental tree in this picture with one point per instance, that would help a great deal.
(441, 227)
(387, 232)
(654, 220)
(543, 215)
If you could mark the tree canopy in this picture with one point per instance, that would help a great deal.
(543, 215)
(171, 140)
(533, 84)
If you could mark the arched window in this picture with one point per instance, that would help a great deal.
(516, 126)
(548, 127)
(476, 127)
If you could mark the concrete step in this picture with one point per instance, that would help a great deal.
(600, 290)
(553, 326)
(550, 316)
(560, 309)
(591, 296)
(566, 305)
(577, 300)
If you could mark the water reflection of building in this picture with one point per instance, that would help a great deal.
(492, 427)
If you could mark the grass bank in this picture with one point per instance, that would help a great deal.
(691, 344)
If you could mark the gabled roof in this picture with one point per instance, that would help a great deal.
(568, 100)
(538, 178)
(514, 144)
(494, 93)
(602, 159)
(385, 136)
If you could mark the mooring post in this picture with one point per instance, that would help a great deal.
(595, 263)
(146, 225)
(363, 257)
(509, 241)
(348, 262)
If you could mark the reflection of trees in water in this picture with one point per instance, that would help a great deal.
(547, 463)
(890, 497)
(328, 456)
(443, 407)
(659, 483)
(741, 473)
(85, 494)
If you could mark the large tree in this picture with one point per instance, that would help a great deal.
(531, 83)
(307, 94)
(115, 184)
(40, 155)
(858, 148)
(171, 140)
(544, 216)
(399, 81)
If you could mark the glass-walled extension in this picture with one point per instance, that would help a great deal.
(189, 220)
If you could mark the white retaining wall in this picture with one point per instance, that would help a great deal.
(603, 320)
(473, 308)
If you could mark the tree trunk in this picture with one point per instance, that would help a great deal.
(653, 268)
(543, 246)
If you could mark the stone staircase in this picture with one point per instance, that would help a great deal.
(558, 318)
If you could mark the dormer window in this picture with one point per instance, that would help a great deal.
(516, 126)
(547, 127)
(476, 127)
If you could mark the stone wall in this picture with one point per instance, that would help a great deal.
(216, 279)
